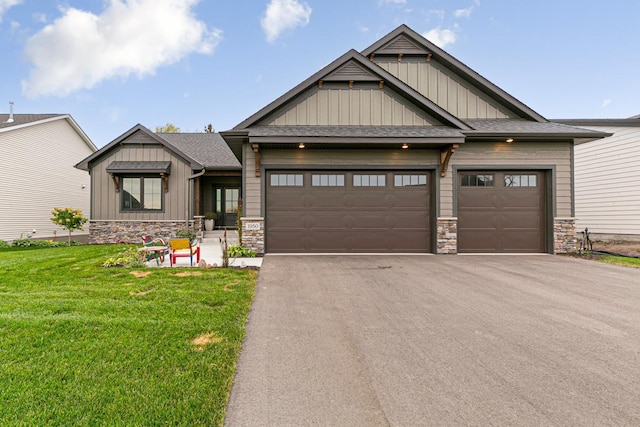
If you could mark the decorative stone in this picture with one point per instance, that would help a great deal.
(253, 234)
(564, 235)
(447, 236)
(103, 232)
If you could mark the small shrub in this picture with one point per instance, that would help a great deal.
(28, 243)
(129, 258)
(4, 245)
(240, 252)
(186, 233)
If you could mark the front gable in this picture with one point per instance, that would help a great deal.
(352, 91)
(443, 79)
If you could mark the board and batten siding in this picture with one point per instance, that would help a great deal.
(38, 174)
(106, 201)
(357, 107)
(446, 89)
(607, 193)
(525, 154)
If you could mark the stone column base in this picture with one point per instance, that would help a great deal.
(564, 235)
(253, 234)
(447, 236)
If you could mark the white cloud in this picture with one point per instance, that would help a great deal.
(606, 102)
(130, 37)
(284, 15)
(393, 1)
(6, 4)
(463, 13)
(440, 37)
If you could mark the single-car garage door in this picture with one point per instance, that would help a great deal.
(501, 211)
(348, 211)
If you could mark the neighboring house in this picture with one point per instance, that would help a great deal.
(402, 148)
(37, 154)
(146, 183)
(607, 198)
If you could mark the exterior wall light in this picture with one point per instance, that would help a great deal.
(301, 145)
(509, 140)
(405, 146)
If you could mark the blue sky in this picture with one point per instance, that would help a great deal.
(114, 63)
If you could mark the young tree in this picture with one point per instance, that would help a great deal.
(168, 128)
(69, 219)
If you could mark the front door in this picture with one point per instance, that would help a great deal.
(226, 203)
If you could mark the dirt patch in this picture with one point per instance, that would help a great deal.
(140, 274)
(187, 274)
(200, 342)
(141, 293)
(620, 247)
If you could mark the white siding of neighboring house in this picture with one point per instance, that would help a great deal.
(607, 190)
(38, 174)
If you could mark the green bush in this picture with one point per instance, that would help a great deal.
(129, 258)
(28, 243)
(4, 245)
(186, 233)
(240, 252)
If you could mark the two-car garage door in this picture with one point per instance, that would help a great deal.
(348, 211)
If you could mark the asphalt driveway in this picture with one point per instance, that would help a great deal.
(440, 340)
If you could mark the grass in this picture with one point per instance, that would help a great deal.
(86, 345)
(618, 260)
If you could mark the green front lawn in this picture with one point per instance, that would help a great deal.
(86, 345)
(618, 260)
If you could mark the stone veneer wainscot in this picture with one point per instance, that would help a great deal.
(447, 236)
(101, 232)
(253, 234)
(564, 235)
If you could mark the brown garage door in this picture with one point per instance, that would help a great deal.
(501, 211)
(347, 211)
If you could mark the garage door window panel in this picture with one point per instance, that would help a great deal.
(360, 180)
(327, 180)
(520, 181)
(474, 180)
(410, 180)
(286, 180)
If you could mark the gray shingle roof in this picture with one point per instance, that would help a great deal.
(208, 149)
(356, 131)
(21, 119)
(524, 127)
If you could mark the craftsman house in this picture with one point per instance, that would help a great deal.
(145, 183)
(403, 148)
(398, 148)
(37, 154)
(605, 201)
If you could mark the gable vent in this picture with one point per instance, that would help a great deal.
(351, 71)
(402, 45)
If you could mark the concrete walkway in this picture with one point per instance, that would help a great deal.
(440, 340)
(211, 252)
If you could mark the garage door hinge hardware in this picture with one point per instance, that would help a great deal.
(445, 156)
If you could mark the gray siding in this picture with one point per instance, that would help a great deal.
(38, 175)
(607, 196)
(106, 202)
(513, 155)
(252, 184)
(359, 107)
(446, 89)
